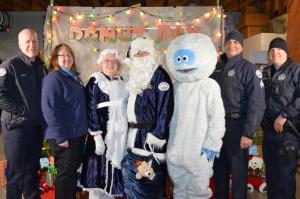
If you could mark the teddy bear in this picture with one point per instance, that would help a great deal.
(255, 174)
(144, 169)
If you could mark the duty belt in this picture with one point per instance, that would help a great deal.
(145, 125)
(232, 116)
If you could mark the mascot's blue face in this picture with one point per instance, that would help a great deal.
(191, 57)
(184, 59)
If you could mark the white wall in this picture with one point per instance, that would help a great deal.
(258, 44)
(19, 21)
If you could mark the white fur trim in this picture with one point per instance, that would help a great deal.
(97, 191)
(2, 72)
(93, 133)
(102, 82)
(131, 107)
(131, 137)
(151, 139)
(142, 152)
(110, 103)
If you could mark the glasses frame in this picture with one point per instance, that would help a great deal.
(69, 55)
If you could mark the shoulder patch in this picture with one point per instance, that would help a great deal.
(258, 73)
(163, 86)
(2, 72)
(281, 77)
(231, 73)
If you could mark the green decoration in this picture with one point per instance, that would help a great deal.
(46, 152)
(157, 41)
(112, 41)
(52, 170)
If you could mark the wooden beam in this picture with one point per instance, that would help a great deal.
(246, 3)
(63, 2)
(38, 5)
(178, 3)
(293, 36)
(206, 3)
(225, 3)
(282, 7)
(96, 3)
(118, 3)
(232, 6)
(151, 3)
(74, 3)
(5, 6)
(21, 5)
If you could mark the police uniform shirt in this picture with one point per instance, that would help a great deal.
(242, 90)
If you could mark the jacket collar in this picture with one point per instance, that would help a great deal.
(284, 65)
(75, 77)
(112, 78)
(232, 60)
(28, 61)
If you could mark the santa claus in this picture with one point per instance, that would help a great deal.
(149, 111)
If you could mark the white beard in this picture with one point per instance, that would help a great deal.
(140, 74)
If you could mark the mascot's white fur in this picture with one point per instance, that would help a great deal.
(198, 123)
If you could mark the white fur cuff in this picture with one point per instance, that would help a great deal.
(94, 133)
(152, 140)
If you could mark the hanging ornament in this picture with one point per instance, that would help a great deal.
(54, 12)
(146, 23)
(207, 15)
(54, 18)
(128, 12)
(51, 2)
(92, 17)
(95, 50)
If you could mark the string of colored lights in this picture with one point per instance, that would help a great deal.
(95, 18)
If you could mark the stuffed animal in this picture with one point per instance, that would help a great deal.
(144, 169)
(256, 178)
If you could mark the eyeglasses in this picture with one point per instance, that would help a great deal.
(66, 55)
(110, 61)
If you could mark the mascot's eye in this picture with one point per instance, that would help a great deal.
(185, 58)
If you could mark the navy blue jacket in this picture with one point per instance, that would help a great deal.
(20, 91)
(242, 90)
(155, 105)
(282, 91)
(64, 107)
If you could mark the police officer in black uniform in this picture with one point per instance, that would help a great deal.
(243, 96)
(20, 101)
(281, 121)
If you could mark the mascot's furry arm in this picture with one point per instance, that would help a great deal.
(216, 121)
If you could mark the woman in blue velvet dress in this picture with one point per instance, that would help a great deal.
(105, 146)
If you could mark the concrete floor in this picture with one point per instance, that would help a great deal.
(251, 195)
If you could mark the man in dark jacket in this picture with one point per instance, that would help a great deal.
(242, 91)
(20, 92)
(281, 121)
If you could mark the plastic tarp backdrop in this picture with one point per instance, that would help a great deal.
(89, 30)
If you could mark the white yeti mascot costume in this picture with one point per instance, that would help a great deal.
(198, 123)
